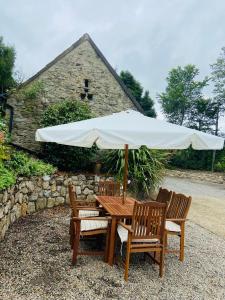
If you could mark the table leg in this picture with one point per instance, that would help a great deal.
(112, 241)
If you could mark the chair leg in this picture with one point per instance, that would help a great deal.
(161, 264)
(76, 243)
(107, 246)
(166, 239)
(182, 243)
(127, 262)
(72, 234)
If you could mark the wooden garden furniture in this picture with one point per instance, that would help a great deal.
(175, 220)
(164, 196)
(117, 210)
(85, 222)
(146, 232)
(109, 188)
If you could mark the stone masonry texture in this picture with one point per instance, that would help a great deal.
(65, 80)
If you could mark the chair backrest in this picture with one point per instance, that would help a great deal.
(109, 188)
(178, 207)
(148, 220)
(73, 198)
(164, 196)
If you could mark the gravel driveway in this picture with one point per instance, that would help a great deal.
(35, 264)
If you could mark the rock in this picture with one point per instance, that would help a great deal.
(59, 200)
(66, 182)
(31, 207)
(5, 197)
(1, 212)
(91, 197)
(63, 191)
(53, 187)
(23, 209)
(74, 178)
(33, 197)
(18, 210)
(78, 190)
(7, 207)
(46, 185)
(30, 186)
(41, 203)
(81, 177)
(55, 194)
(47, 193)
(24, 190)
(46, 178)
(67, 199)
(59, 179)
(87, 191)
(20, 199)
(50, 202)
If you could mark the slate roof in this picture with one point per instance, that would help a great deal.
(86, 37)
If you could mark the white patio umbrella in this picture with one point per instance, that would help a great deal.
(128, 129)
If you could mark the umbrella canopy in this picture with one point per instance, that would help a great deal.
(128, 128)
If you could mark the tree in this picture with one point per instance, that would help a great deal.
(202, 115)
(182, 91)
(7, 60)
(148, 105)
(137, 90)
(218, 78)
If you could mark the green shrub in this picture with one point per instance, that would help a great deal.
(67, 157)
(145, 168)
(7, 177)
(24, 165)
(197, 160)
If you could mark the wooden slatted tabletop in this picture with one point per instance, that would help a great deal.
(115, 207)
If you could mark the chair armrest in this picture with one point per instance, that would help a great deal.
(89, 208)
(125, 226)
(176, 220)
(91, 218)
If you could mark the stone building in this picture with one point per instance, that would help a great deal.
(81, 73)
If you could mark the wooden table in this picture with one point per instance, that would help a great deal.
(117, 210)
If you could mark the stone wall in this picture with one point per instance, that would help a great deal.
(64, 79)
(29, 195)
(215, 177)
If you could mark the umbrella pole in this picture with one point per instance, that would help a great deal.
(125, 173)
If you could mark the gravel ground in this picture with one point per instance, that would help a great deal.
(35, 264)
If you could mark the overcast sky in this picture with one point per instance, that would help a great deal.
(146, 37)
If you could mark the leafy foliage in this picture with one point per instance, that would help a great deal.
(4, 138)
(145, 168)
(218, 78)
(33, 90)
(24, 165)
(181, 93)
(67, 157)
(7, 177)
(7, 60)
(136, 89)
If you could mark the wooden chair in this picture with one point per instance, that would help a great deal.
(84, 210)
(175, 220)
(89, 227)
(109, 188)
(82, 224)
(164, 196)
(146, 233)
(79, 211)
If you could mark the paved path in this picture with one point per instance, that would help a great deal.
(208, 205)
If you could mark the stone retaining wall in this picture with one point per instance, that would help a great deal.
(215, 177)
(29, 195)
